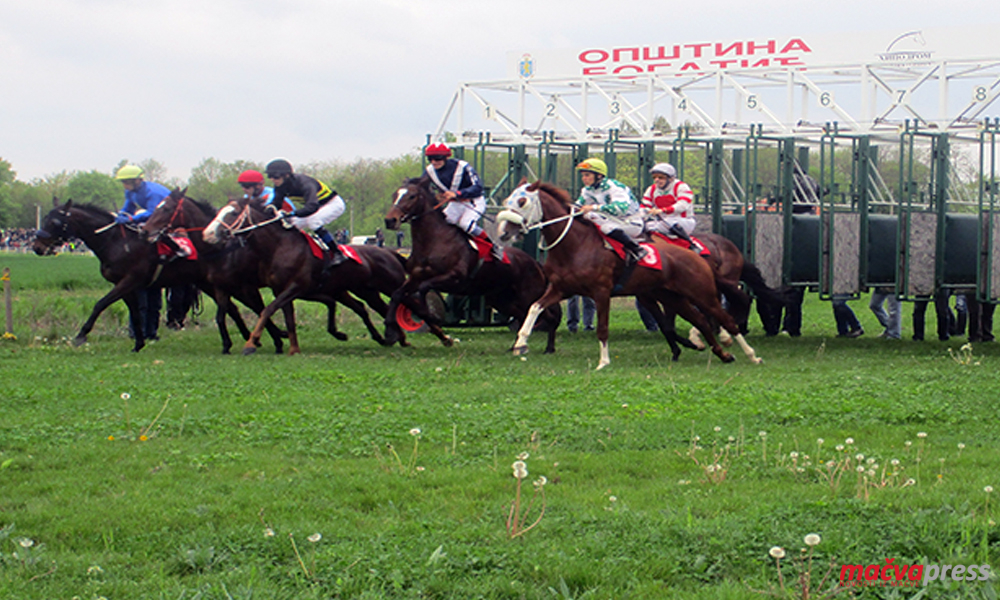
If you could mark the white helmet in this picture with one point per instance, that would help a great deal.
(664, 169)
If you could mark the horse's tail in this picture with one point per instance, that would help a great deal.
(752, 276)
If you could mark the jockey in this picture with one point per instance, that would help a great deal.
(252, 183)
(610, 206)
(460, 185)
(321, 205)
(141, 197)
(668, 204)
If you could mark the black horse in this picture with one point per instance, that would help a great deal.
(443, 260)
(127, 261)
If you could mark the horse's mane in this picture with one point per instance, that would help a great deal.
(95, 210)
(204, 207)
(556, 192)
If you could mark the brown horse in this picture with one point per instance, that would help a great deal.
(442, 259)
(579, 263)
(127, 261)
(288, 266)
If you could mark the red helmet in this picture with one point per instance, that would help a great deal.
(250, 177)
(437, 150)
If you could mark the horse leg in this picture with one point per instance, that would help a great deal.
(135, 318)
(603, 302)
(550, 297)
(331, 321)
(692, 315)
(293, 337)
(250, 297)
(222, 301)
(285, 297)
(374, 300)
(666, 326)
(714, 310)
(120, 290)
(352, 303)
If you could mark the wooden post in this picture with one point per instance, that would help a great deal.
(9, 333)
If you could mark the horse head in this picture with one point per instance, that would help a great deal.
(168, 215)
(240, 215)
(412, 201)
(54, 229)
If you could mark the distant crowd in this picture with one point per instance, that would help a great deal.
(19, 240)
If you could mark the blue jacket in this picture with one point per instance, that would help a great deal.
(267, 196)
(465, 183)
(142, 201)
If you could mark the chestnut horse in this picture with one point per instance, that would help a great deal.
(443, 259)
(127, 261)
(287, 265)
(579, 263)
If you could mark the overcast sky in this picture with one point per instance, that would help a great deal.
(86, 83)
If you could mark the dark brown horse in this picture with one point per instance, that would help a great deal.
(288, 266)
(443, 260)
(127, 261)
(232, 269)
(579, 263)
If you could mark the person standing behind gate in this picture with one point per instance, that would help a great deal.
(141, 199)
(459, 185)
(669, 205)
(320, 204)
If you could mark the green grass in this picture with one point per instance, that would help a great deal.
(301, 445)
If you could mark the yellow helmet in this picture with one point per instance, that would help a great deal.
(594, 165)
(129, 172)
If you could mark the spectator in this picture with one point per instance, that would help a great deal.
(573, 313)
(886, 307)
(379, 238)
(847, 323)
(648, 320)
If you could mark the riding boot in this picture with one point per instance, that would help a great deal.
(633, 251)
(678, 231)
(336, 256)
(633, 254)
(494, 249)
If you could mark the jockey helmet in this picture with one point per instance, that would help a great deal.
(250, 176)
(437, 150)
(594, 165)
(664, 169)
(129, 172)
(278, 167)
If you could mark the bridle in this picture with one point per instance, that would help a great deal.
(244, 221)
(411, 216)
(529, 214)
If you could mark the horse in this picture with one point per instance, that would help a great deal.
(232, 270)
(443, 260)
(127, 261)
(287, 265)
(579, 263)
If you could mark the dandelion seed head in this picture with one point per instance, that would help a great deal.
(921, 434)
(26, 542)
(830, 464)
(819, 441)
(961, 446)
(731, 439)
(839, 448)
(268, 532)
(126, 395)
(520, 469)
(812, 539)
(870, 460)
(860, 469)
(777, 552)
(94, 569)
(438, 369)
(849, 441)
(859, 457)
(907, 443)
(415, 431)
(988, 489)
(612, 498)
(315, 537)
(523, 456)
(717, 429)
(793, 454)
(420, 469)
(911, 481)
(762, 434)
(894, 462)
(541, 481)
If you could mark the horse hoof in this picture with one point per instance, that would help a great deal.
(248, 350)
(79, 341)
(448, 342)
(339, 336)
(549, 351)
(294, 351)
(226, 351)
(601, 365)
(519, 350)
(727, 357)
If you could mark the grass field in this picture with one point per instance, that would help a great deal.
(179, 473)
